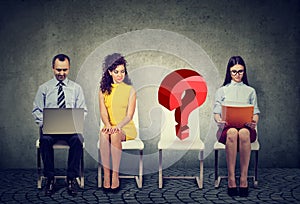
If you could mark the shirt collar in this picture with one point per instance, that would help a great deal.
(66, 81)
(234, 83)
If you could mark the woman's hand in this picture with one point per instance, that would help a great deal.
(106, 130)
(111, 130)
(221, 123)
(252, 124)
(116, 130)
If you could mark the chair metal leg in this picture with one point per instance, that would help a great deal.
(40, 177)
(39, 169)
(82, 170)
(256, 170)
(99, 171)
(39, 166)
(140, 182)
(160, 179)
(200, 184)
(217, 178)
(201, 171)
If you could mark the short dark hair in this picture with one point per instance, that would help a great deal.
(60, 57)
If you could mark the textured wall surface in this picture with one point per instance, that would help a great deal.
(264, 32)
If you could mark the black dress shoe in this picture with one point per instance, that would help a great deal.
(244, 192)
(49, 188)
(72, 186)
(232, 191)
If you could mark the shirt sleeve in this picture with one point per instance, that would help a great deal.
(253, 101)
(219, 98)
(80, 101)
(38, 106)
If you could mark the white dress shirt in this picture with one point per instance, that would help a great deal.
(235, 92)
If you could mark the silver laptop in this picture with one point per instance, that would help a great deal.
(63, 120)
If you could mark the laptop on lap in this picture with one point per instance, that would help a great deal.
(63, 120)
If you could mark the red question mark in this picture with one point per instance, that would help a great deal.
(170, 96)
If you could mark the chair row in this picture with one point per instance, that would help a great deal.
(168, 141)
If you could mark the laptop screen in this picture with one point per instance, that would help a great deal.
(63, 120)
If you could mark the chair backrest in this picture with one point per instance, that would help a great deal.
(168, 131)
(135, 120)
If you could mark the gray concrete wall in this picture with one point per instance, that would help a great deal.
(265, 33)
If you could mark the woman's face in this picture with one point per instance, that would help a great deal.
(118, 74)
(237, 72)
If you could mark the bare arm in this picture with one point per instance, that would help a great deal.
(254, 121)
(103, 111)
(219, 121)
(255, 118)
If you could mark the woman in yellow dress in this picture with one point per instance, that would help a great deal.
(117, 100)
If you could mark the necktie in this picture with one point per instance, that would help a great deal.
(61, 96)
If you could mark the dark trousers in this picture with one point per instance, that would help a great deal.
(75, 153)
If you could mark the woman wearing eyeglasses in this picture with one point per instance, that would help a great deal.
(236, 89)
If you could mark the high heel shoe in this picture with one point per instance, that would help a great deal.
(115, 190)
(106, 180)
(106, 189)
(244, 192)
(232, 191)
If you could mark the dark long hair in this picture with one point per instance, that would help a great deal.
(233, 61)
(110, 63)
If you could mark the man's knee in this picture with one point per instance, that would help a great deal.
(46, 140)
(76, 140)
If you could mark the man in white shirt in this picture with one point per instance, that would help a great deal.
(59, 92)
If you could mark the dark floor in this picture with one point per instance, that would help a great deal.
(275, 186)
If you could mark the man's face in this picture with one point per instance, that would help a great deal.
(61, 69)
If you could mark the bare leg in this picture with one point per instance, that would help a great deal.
(231, 152)
(116, 152)
(105, 158)
(245, 152)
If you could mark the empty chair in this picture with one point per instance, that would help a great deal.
(169, 141)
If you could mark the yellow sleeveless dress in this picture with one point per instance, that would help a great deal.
(116, 103)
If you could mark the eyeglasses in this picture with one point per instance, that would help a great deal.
(234, 72)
